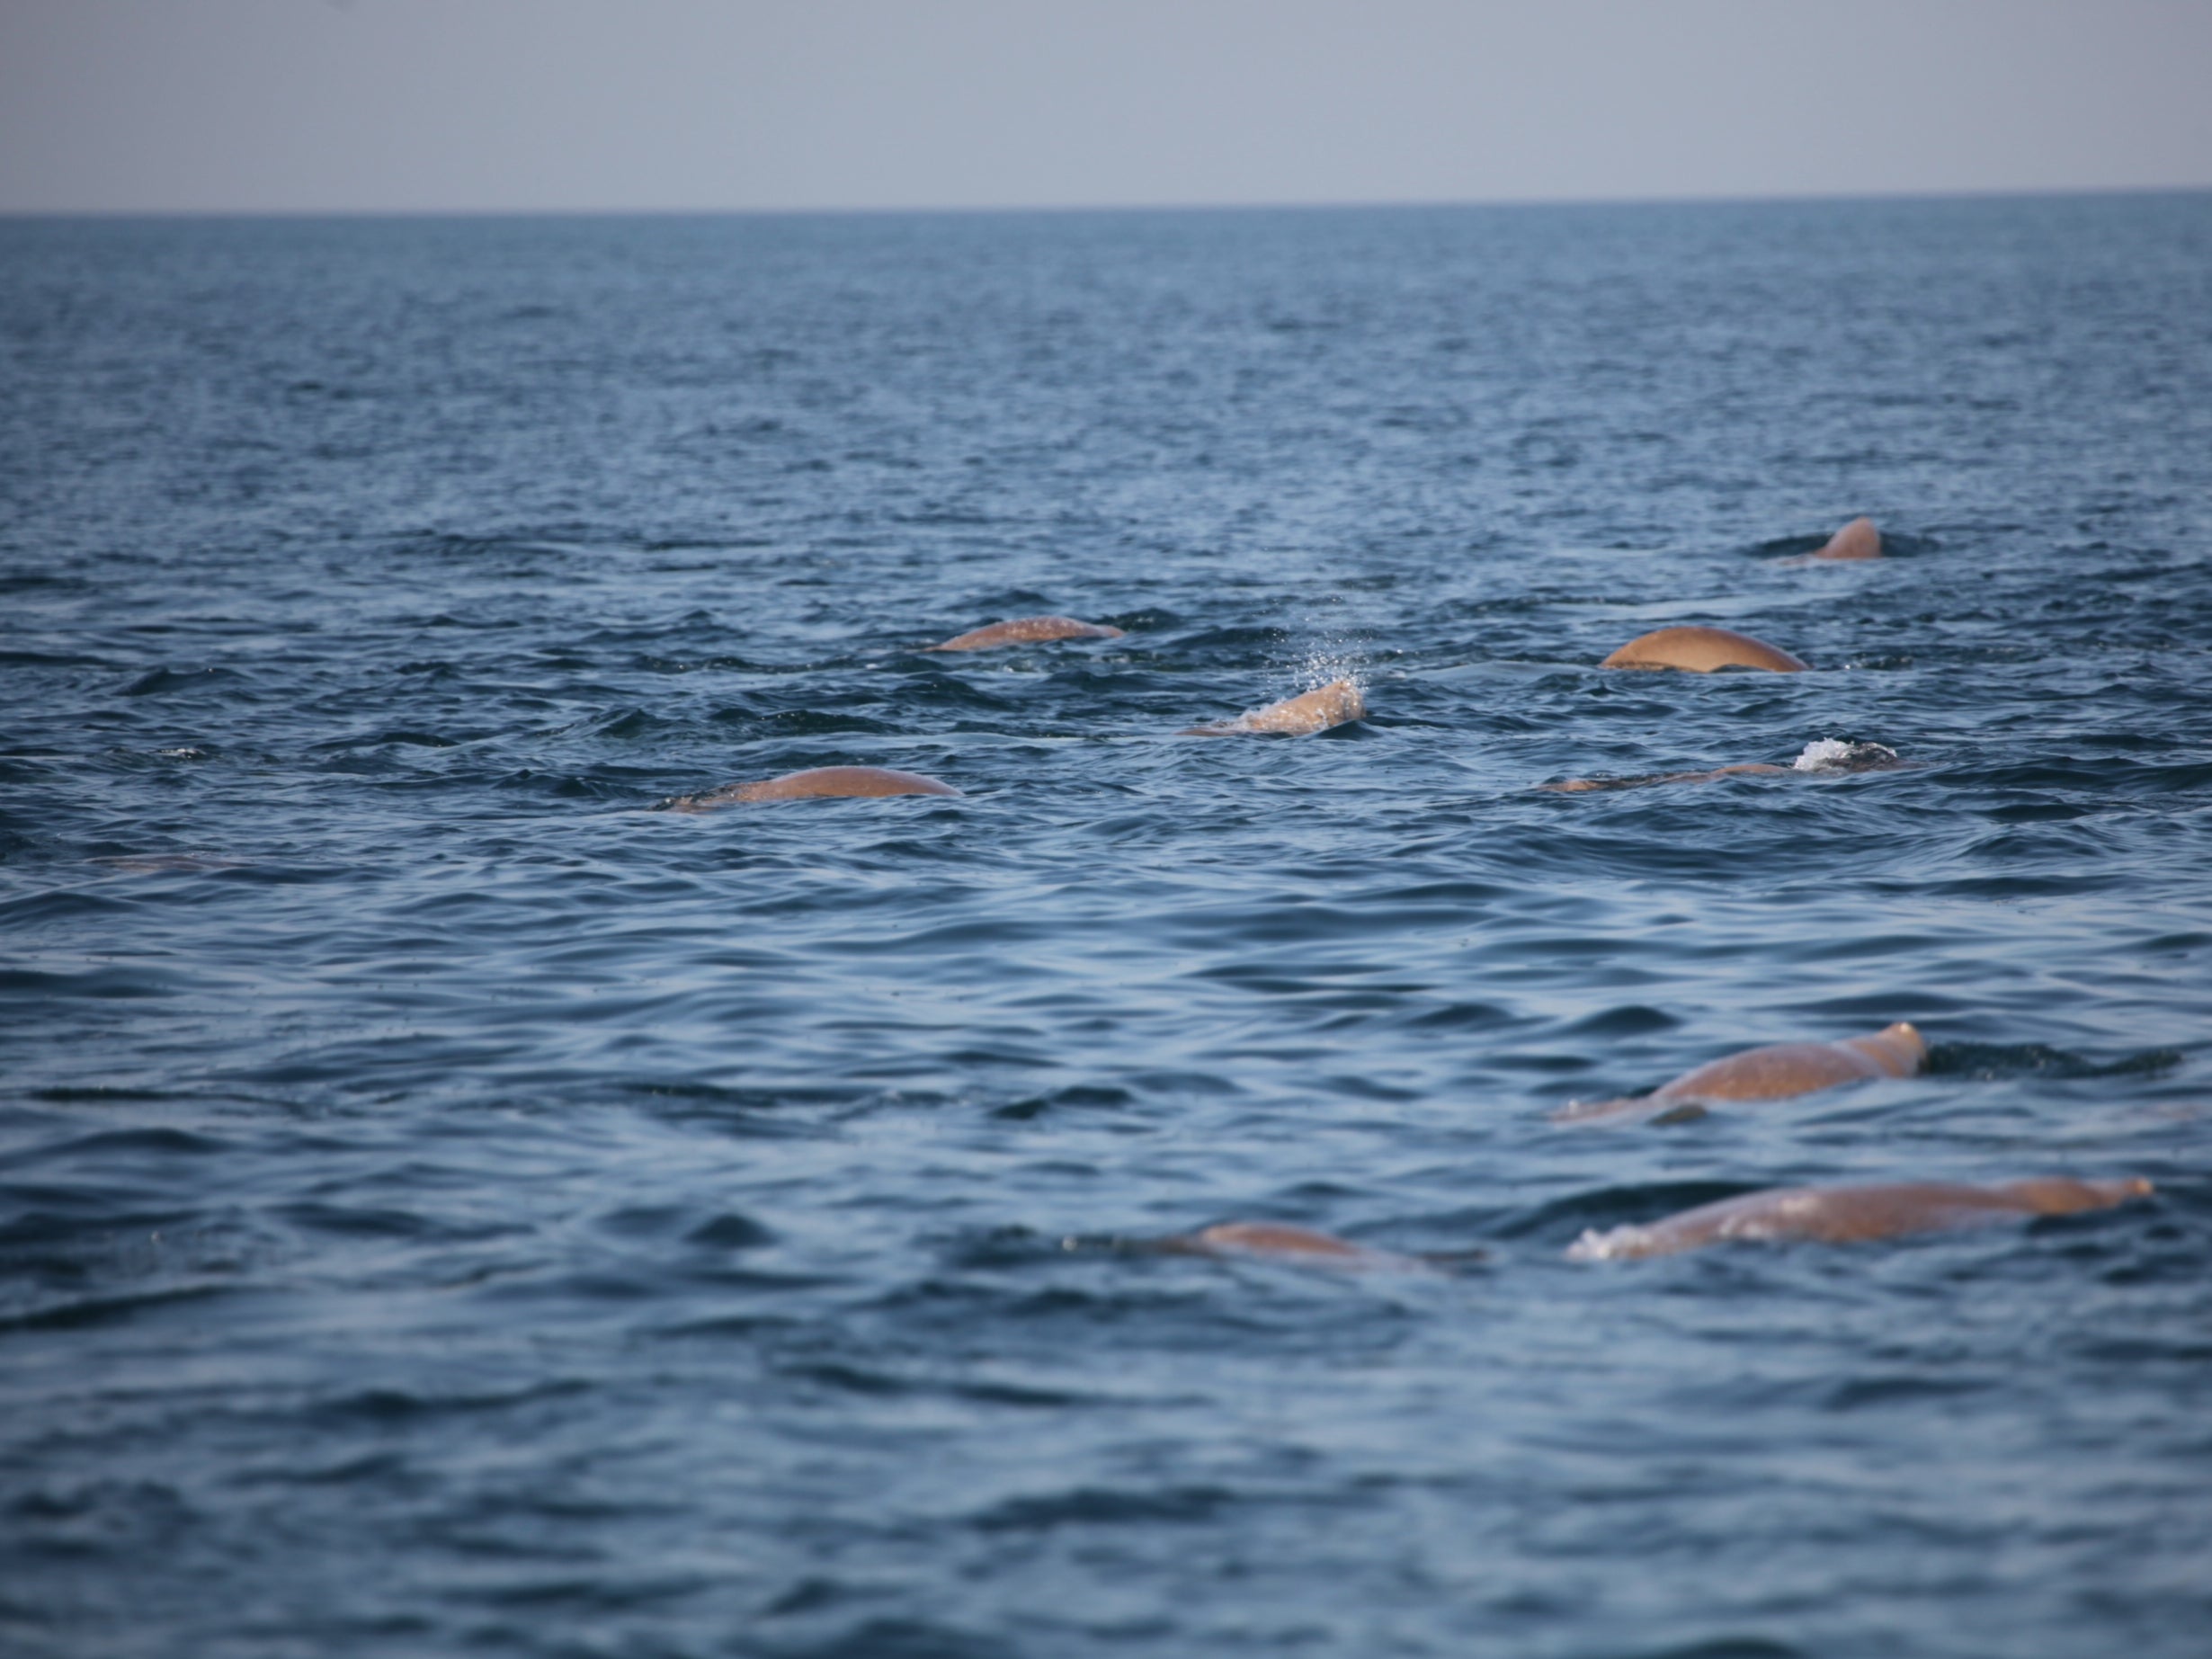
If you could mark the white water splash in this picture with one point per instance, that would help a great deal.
(1836, 754)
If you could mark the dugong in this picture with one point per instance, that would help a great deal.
(1276, 1241)
(1272, 1238)
(1026, 631)
(1701, 650)
(1773, 1073)
(1822, 754)
(1852, 1214)
(1309, 711)
(1573, 786)
(1857, 540)
(816, 781)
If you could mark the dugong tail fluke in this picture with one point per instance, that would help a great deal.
(1701, 650)
(817, 783)
(1852, 1214)
(1774, 1073)
(1310, 711)
(1026, 631)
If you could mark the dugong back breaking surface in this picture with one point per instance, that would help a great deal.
(1852, 1214)
(1857, 540)
(1026, 631)
(1773, 1073)
(817, 783)
(1701, 650)
(1310, 711)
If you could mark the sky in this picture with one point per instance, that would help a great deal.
(533, 105)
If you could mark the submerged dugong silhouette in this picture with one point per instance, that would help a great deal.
(1822, 754)
(1857, 540)
(1276, 1241)
(1274, 1238)
(1575, 786)
(814, 783)
(165, 863)
(1701, 650)
(1026, 631)
(1309, 711)
(1852, 1214)
(1773, 1073)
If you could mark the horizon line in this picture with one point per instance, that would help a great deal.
(979, 210)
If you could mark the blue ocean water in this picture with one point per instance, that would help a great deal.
(447, 1206)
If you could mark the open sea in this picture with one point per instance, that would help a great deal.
(448, 1207)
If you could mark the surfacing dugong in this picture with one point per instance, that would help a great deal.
(1309, 711)
(817, 783)
(1026, 631)
(1773, 1073)
(1857, 540)
(1852, 1214)
(1701, 650)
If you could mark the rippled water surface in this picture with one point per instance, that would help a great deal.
(448, 1206)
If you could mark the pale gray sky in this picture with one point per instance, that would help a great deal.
(531, 105)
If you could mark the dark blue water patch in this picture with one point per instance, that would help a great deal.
(1988, 1062)
(1078, 1097)
(162, 681)
(96, 1311)
(1086, 1507)
(893, 1638)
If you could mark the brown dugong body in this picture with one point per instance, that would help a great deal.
(1773, 1073)
(1310, 711)
(1857, 540)
(1026, 631)
(1701, 650)
(814, 783)
(1276, 1241)
(1852, 1214)
(1270, 1238)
